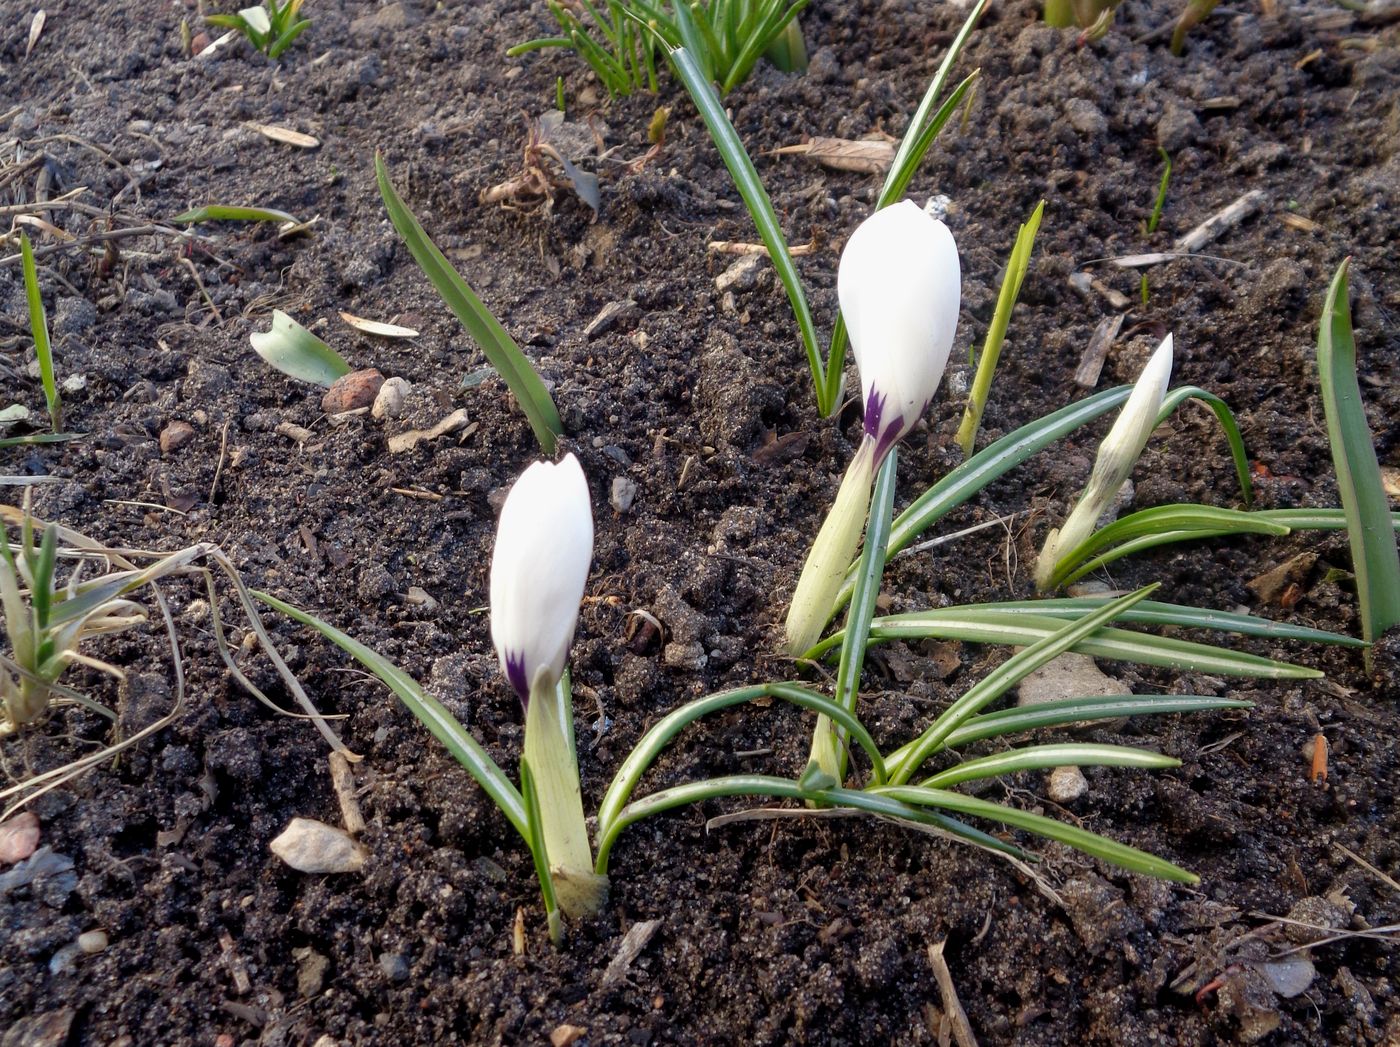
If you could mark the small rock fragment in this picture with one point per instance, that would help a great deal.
(741, 276)
(610, 316)
(1066, 784)
(623, 493)
(313, 847)
(175, 436)
(394, 966)
(420, 597)
(1271, 585)
(41, 1030)
(311, 971)
(352, 391)
(1290, 976)
(402, 442)
(19, 837)
(73, 383)
(92, 942)
(564, 1035)
(1070, 675)
(389, 401)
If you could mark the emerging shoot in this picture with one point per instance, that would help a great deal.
(1117, 455)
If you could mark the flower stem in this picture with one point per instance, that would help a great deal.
(549, 750)
(832, 552)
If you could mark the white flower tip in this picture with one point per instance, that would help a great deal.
(544, 546)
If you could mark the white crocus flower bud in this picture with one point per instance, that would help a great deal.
(900, 285)
(544, 546)
(1117, 455)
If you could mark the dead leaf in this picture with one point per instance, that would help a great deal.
(865, 155)
(285, 135)
(36, 26)
(377, 327)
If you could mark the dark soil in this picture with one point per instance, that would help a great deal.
(790, 932)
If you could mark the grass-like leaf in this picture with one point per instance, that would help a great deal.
(500, 349)
(1176, 397)
(1373, 551)
(1025, 718)
(905, 761)
(620, 790)
(1152, 527)
(232, 213)
(869, 802)
(1016, 268)
(298, 353)
(826, 747)
(1045, 757)
(1093, 844)
(755, 198)
(1150, 612)
(431, 713)
(39, 328)
(979, 625)
(539, 851)
(37, 438)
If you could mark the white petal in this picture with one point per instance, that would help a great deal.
(899, 283)
(544, 546)
(1138, 418)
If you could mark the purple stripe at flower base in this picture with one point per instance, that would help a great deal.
(892, 431)
(515, 673)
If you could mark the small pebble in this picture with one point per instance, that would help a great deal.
(175, 436)
(92, 942)
(352, 391)
(389, 401)
(624, 493)
(1066, 784)
(313, 847)
(394, 966)
(19, 837)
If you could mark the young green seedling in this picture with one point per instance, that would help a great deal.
(1117, 455)
(39, 328)
(270, 28)
(899, 284)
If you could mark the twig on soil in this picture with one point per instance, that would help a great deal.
(236, 968)
(944, 539)
(631, 946)
(343, 781)
(744, 248)
(102, 237)
(1392, 884)
(1224, 219)
(219, 469)
(1086, 375)
(952, 1006)
(202, 292)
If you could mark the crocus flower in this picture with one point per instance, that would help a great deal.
(1117, 455)
(544, 545)
(899, 284)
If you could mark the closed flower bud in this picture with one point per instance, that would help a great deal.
(1117, 455)
(900, 285)
(544, 546)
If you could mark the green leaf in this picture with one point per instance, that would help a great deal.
(1373, 551)
(1156, 526)
(826, 747)
(1150, 612)
(1093, 844)
(766, 785)
(1045, 757)
(39, 328)
(1313, 519)
(1024, 718)
(500, 349)
(987, 465)
(1176, 397)
(37, 438)
(760, 208)
(1016, 268)
(231, 213)
(975, 625)
(539, 851)
(431, 713)
(644, 754)
(298, 353)
(902, 763)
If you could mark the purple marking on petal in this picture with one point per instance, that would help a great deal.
(888, 438)
(515, 673)
(874, 409)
